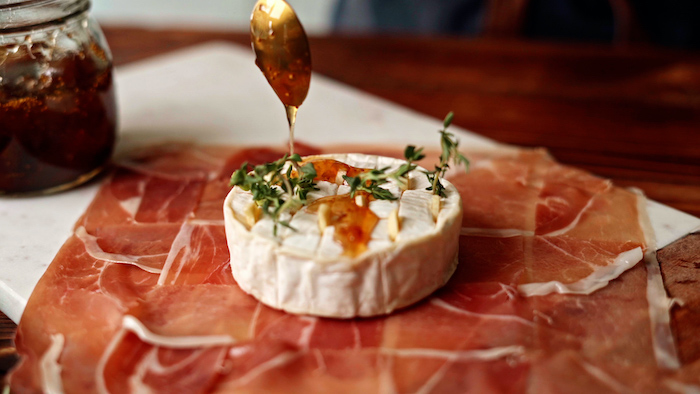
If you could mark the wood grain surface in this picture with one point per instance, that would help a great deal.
(628, 113)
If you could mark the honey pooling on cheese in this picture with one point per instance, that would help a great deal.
(353, 223)
(330, 170)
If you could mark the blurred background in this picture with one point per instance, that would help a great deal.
(317, 15)
(671, 23)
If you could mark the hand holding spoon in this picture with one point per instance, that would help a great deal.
(282, 54)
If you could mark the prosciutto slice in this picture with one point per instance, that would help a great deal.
(548, 295)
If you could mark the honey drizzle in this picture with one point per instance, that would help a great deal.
(291, 119)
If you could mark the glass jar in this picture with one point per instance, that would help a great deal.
(57, 104)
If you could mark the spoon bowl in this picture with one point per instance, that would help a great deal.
(281, 50)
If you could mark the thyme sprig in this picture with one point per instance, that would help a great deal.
(276, 190)
(450, 154)
(370, 182)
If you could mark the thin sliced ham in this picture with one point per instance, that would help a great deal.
(548, 295)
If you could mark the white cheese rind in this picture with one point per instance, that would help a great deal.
(286, 274)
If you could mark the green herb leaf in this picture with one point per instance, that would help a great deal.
(308, 170)
(295, 157)
(448, 120)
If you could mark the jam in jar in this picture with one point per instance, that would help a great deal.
(57, 104)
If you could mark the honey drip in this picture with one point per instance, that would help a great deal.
(291, 119)
(282, 54)
(353, 224)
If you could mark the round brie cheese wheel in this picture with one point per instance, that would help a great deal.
(305, 270)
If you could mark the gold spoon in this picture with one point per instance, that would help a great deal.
(282, 54)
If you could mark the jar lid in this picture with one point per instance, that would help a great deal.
(18, 15)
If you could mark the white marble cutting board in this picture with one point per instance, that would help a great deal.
(213, 93)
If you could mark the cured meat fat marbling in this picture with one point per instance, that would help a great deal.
(548, 295)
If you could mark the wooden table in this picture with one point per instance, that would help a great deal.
(631, 114)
